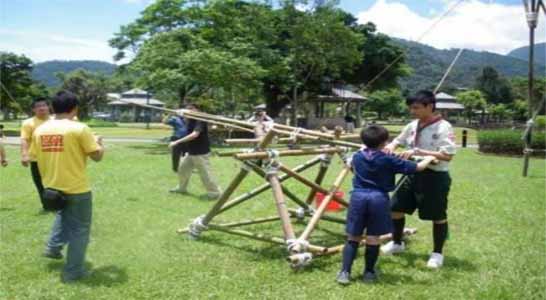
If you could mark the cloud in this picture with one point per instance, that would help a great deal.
(474, 24)
(40, 46)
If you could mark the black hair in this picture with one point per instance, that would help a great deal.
(64, 102)
(38, 99)
(192, 105)
(423, 97)
(374, 135)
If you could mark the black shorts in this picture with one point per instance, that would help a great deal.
(426, 191)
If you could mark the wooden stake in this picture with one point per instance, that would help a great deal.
(282, 209)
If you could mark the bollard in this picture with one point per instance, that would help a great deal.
(465, 132)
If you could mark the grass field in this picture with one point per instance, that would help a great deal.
(495, 251)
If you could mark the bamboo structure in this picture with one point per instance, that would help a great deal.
(265, 161)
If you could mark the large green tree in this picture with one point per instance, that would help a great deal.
(16, 84)
(236, 48)
(473, 100)
(495, 88)
(386, 103)
(90, 88)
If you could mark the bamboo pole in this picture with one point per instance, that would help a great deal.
(266, 186)
(254, 236)
(239, 223)
(285, 190)
(325, 217)
(311, 184)
(325, 164)
(320, 210)
(262, 155)
(241, 141)
(243, 172)
(281, 207)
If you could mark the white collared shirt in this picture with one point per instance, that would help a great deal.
(438, 137)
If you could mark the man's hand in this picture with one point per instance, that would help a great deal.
(98, 139)
(406, 154)
(25, 160)
(389, 149)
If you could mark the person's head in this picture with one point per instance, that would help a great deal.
(374, 136)
(422, 105)
(40, 107)
(65, 103)
(192, 106)
(259, 110)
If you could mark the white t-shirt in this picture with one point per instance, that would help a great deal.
(437, 136)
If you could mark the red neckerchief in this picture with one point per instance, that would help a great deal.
(420, 128)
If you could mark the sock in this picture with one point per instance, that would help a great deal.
(372, 252)
(349, 254)
(398, 230)
(439, 235)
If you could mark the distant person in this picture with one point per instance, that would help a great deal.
(262, 122)
(180, 130)
(374, 176)
(3, 157)
(427, 191)
(197, 157)
(40, 111)
(61, 147)
(349, 123)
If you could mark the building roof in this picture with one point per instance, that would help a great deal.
(444, 96)
(449, 106)
(136, 96)
(342, 95)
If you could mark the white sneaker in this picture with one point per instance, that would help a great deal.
(435, 261)
(391, 248)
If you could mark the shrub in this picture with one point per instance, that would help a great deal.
(126, 117)
(507, 141)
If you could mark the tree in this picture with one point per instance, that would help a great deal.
(386, 102)
(495, 88)
(15, 82)
(520, 90)
(499, 111)
(199, 48)
(89, 88)
(472, 100)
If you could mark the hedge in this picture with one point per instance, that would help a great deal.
(508, 141)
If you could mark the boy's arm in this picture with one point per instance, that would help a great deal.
(399, 140)
(25, 144)
(427, 160)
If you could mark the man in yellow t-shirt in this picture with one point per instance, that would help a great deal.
(40, 109)
(61, 147)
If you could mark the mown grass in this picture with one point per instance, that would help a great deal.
(496, 248)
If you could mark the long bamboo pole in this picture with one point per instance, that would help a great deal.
(282, 209)
(264, 187)
(325, 164)
(311, 184)
(325, 217)
(239, 223)
(320, 210)
(262, 155)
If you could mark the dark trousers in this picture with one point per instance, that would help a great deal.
(37, 178)
(178, 151)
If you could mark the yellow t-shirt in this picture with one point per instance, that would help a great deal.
(28, 127)
(61, 148)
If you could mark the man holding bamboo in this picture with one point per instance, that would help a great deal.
(198, 147)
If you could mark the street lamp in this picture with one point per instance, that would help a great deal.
(532, 9)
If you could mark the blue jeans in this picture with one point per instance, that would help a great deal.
(72, 226)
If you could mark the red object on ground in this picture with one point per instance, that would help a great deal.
(333, 205)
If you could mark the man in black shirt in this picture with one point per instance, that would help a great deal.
(198, 147)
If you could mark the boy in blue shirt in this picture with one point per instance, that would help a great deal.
(374, 177)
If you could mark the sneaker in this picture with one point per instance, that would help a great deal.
(178, 191)
(435, 261)
(369, 277)
(391, 248)
(343, 278)
(52, 254)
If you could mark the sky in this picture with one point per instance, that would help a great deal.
(80, 29)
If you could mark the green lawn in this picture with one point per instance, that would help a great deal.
(496, 248)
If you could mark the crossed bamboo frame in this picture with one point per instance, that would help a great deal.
(265, 162)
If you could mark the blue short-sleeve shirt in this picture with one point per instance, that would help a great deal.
(180, 128)
(374, 169)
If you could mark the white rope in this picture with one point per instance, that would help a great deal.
(197, 226)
